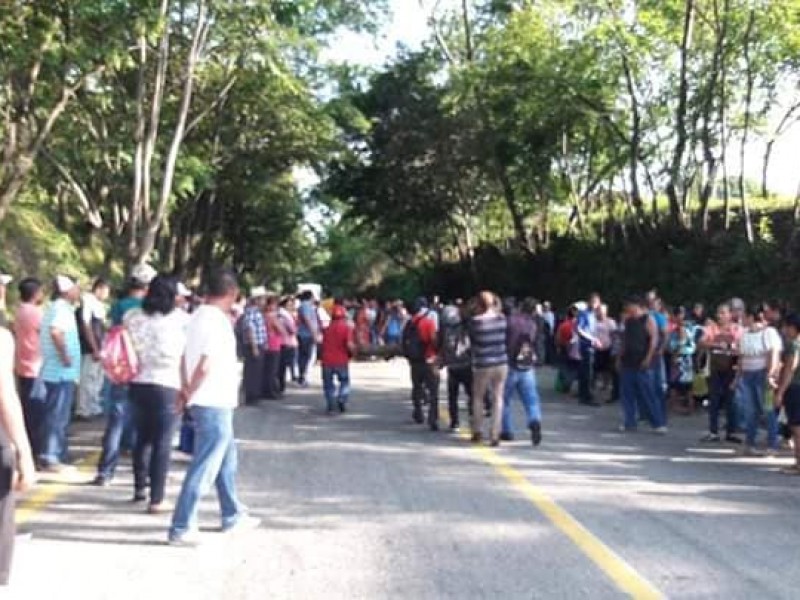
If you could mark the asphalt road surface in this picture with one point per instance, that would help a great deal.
(370, 505)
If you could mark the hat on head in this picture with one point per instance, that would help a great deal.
(737, 304)
(64, 284)
(184, 291)
(258, 292)
(144, 273)
(5, 279)
(581, 305)
(420, 303)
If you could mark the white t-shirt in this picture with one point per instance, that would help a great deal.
(159, 341)
(92, 308)
(210, 334)
(756, 346)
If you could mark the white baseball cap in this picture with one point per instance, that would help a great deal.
(144, 273)
(64, 284)
(183, 290)
(258, 292)
(5, 279)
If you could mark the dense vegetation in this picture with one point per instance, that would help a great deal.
(547, 147)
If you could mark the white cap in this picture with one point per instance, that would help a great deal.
(64, 284)
(581, 305)
(258, 292)
(183, 290)
(5, 279)
(144, 273)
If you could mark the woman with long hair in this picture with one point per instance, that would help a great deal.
(158, 332)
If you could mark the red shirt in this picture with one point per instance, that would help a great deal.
(26, 328)
(565, 332)
(335, 339)
(427, 334)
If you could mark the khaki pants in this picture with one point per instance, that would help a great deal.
(489, 379)
(90, 402)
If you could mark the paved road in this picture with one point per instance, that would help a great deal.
(373, 506)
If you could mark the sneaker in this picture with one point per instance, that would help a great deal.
(434, 426)
(139, 496)
(507, 436)
(454, 426)
(418, 417)
(190, 539)
(494, 443)
(711, 437)
(753, 452)
(793, 470)
(660, 430)
(101, 481)
(623, 429)
(159, 509)
(536, 433)
(732, 439)
(477, 438)
(342, 407)
(243, 523)
(58, 468)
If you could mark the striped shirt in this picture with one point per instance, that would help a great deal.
(60, 315)
(487, 334)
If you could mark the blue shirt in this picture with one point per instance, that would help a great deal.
(586, 323)
(60, 315)
(121, 308)
(308, 315)
(254, 321)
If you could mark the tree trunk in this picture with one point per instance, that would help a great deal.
(156, 220)
(748, 222)
(676, 180)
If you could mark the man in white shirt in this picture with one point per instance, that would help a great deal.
(92, 322)
(210, 391)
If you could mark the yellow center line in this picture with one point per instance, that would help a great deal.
(609, 562)
(45, 493)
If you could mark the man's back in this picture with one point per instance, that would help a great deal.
(209, 334)
(488, 338)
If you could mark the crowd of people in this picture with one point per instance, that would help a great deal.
(163, 356)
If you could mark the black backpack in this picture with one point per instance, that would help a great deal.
(523, 356)
(413, 347)
(96, 326)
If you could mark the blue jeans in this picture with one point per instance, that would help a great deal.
(119, 426)
(659, 384)
(55, 422)
(305, 354)
(637, 389)
(720, 395)
(214, 461)
(522, 383)
(586, 375)
(329, 377)
(750, 395)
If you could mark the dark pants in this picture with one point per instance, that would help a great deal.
(33, 412)
(7, 525)
(585, 376)
(425, 385)
(118, 420)
(288, 356)
(253, 377)
(272, 363)
(721, 396)
(456, 379)
(304, 353)
(154, 414)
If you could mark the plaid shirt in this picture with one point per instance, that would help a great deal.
(254, 321)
